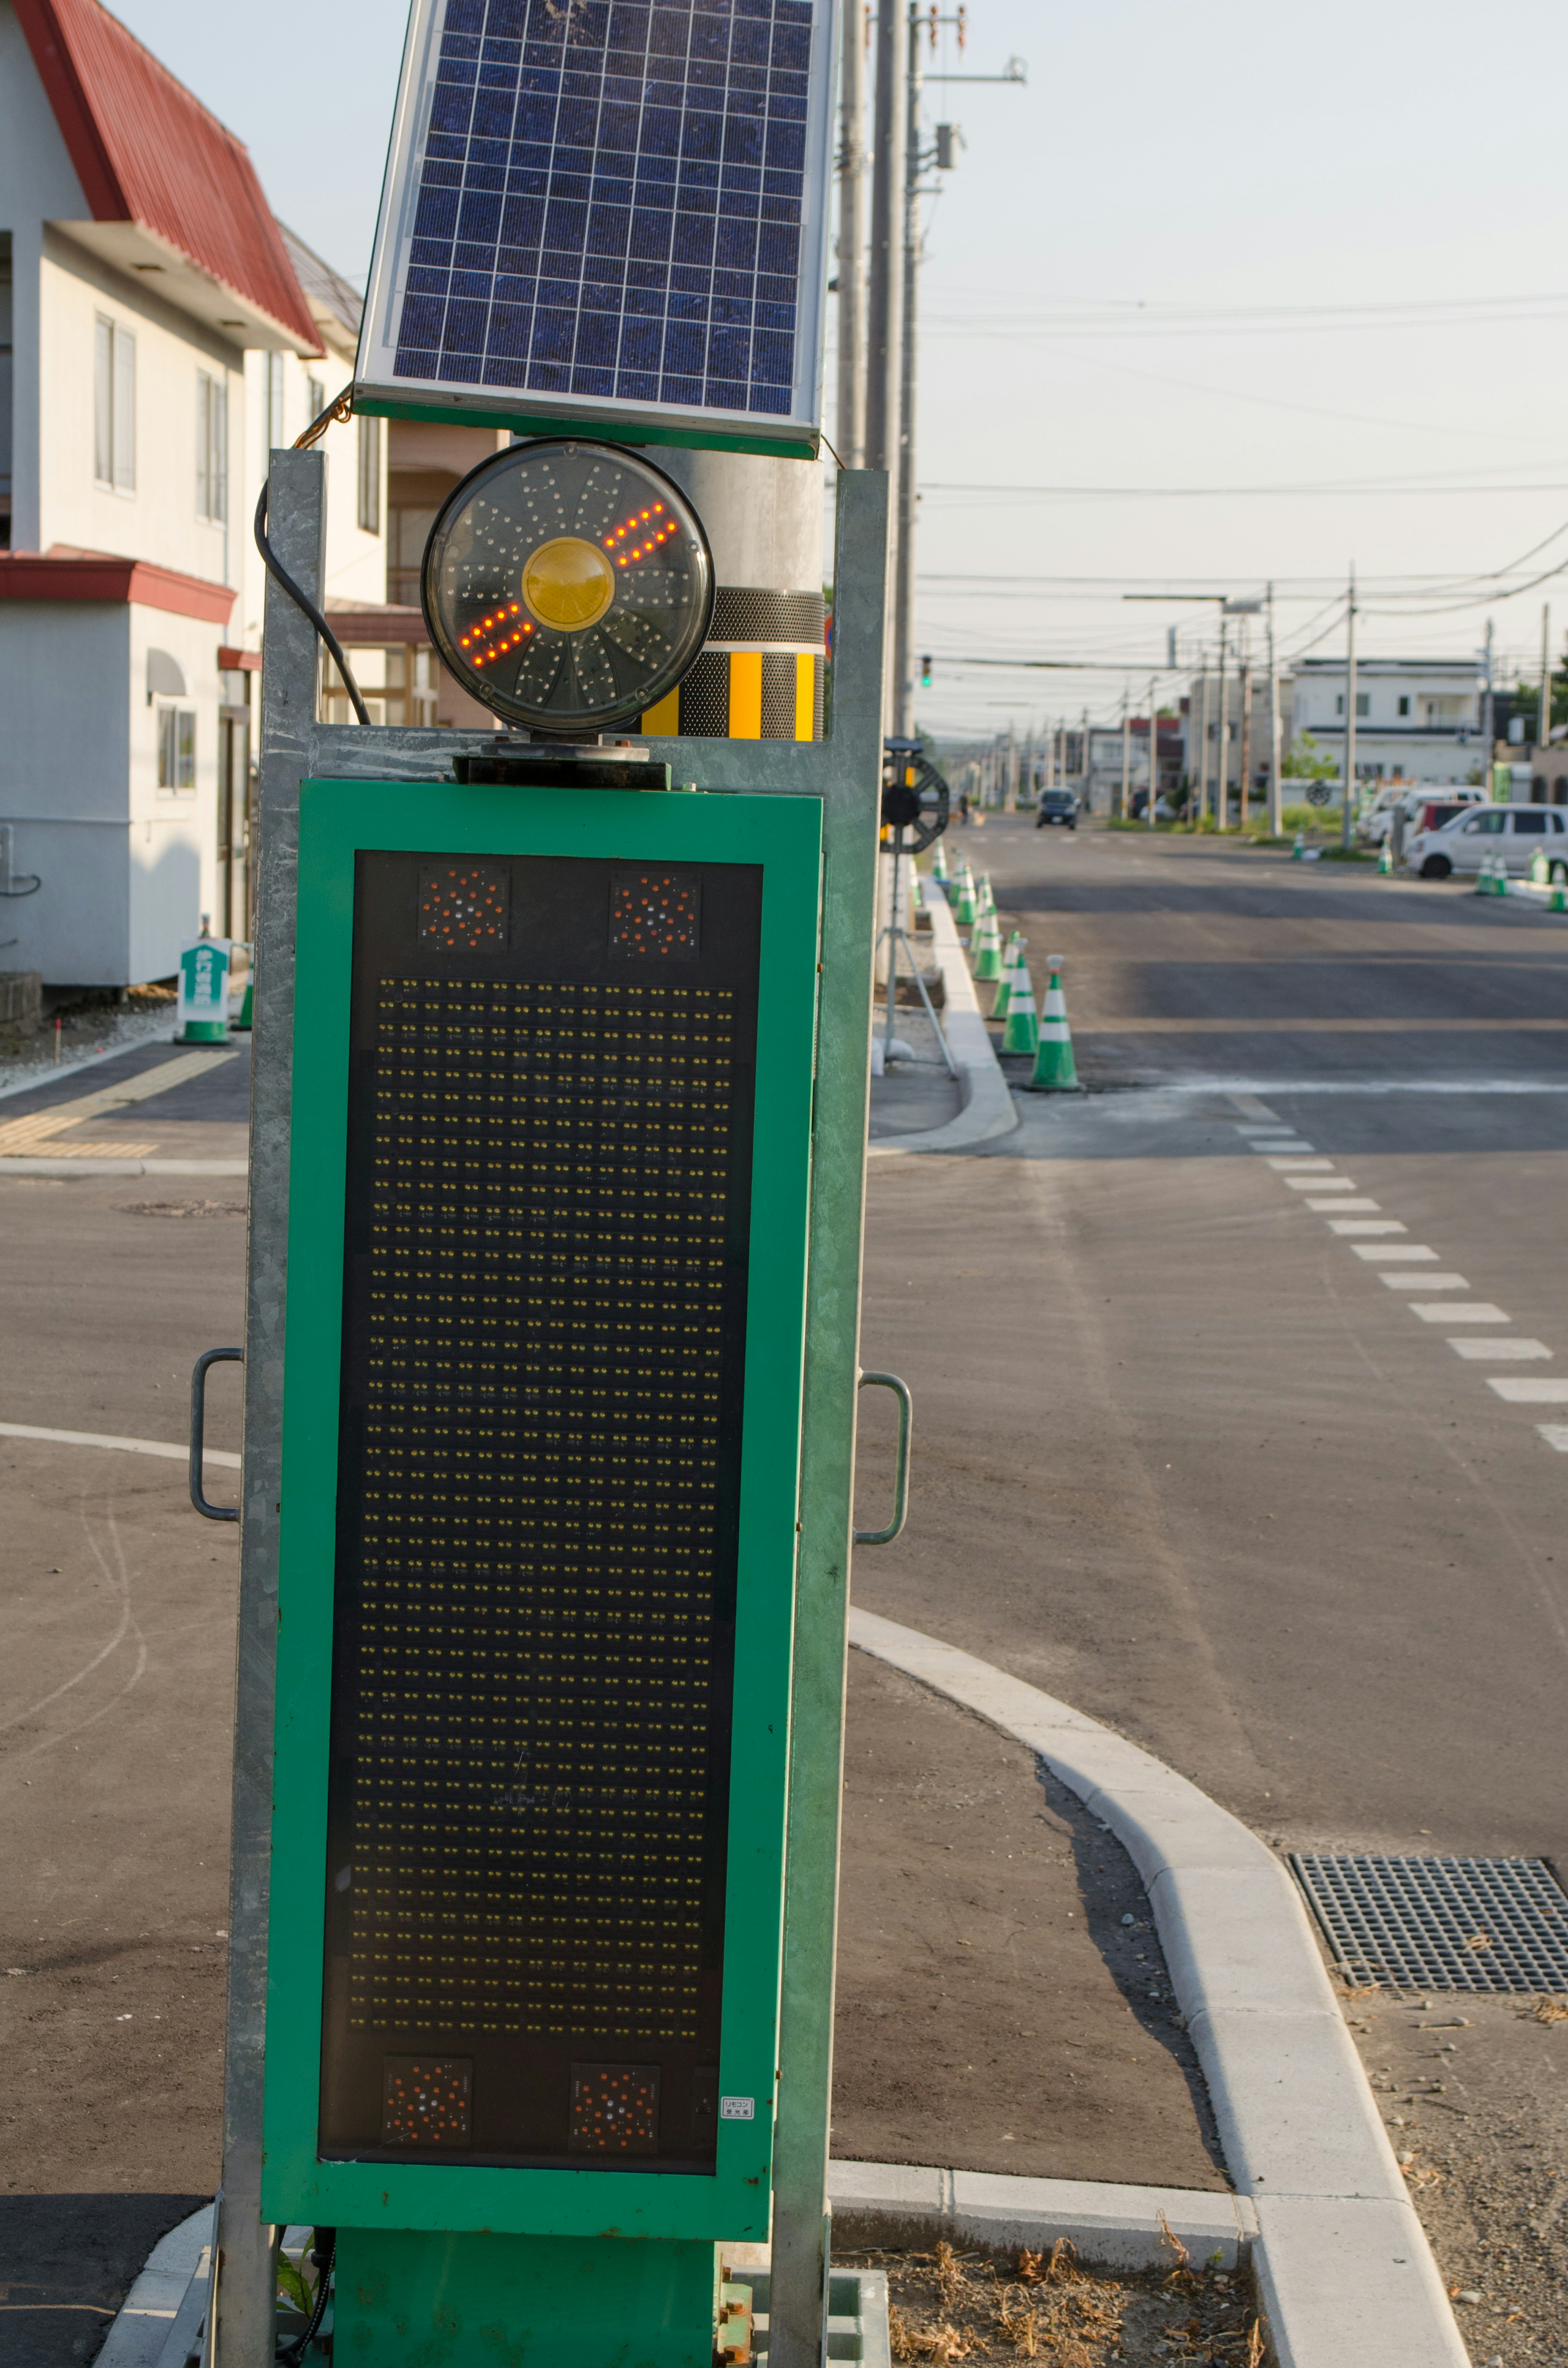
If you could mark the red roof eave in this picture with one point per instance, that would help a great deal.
(146, 150)
(103, 578)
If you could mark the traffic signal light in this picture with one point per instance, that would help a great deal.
(925, 673)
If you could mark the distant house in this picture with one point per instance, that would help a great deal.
(1416, 719)
(167, 334)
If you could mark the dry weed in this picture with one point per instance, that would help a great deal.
(1181, 2274)
(1547, 2010)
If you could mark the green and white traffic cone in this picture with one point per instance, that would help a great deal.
(1021, 1033)
(1055, 1071)
(1385, 860)
(1300, 849)
(965, 909)
(939, 863)
(1010, 960)
(1484, 877)
(1558, 900)
(1540, 869)
(917, 893)
(1499, 878)
(984, 902)
(988, 948)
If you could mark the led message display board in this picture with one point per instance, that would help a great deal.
(541, 1418)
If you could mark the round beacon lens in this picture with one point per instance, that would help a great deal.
(568, 586)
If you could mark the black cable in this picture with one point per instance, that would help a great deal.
(324, 2255)
(303, 602)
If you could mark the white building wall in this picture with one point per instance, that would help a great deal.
(173, 833)
(37, 184)
(63, 767)
(356, 561)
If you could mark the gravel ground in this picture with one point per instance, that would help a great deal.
(946, 2307)
(1475, 2094)
(31, 1059)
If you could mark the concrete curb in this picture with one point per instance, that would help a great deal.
(157, 2322)
(987, 1106)
(124, 1168)
(877, 2203)
(1344, 2269)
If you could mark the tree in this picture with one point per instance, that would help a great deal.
(1307, 762)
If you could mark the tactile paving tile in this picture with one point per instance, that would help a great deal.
(1497, 1924)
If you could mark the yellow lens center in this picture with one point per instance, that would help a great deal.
(568, 583)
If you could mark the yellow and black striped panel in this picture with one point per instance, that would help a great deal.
(760, 675)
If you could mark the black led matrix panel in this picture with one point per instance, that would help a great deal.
(551, 1100)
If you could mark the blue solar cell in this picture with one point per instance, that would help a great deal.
(612, 200)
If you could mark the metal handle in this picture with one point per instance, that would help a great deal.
(199, 1429)
(901, 1481)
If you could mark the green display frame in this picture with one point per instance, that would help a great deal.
(782, 834)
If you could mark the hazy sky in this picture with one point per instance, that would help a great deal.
(1208, 246)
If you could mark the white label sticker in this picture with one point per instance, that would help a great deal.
(737, 2109)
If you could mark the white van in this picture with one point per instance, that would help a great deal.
(1517, 833)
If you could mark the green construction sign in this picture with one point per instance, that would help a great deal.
(552, 1084)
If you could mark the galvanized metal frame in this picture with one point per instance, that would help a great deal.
(844, 770)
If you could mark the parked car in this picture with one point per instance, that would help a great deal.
(1397, 803)
(1468, 839)
(1057, 806)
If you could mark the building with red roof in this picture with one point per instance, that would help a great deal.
(167, 334)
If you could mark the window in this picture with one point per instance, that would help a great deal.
(315, 388)
(114, 405)
(271, 403)
(369, 475)
(1363, 705)
(408, 532)
(1529, 825)
(1339, 702)
(211, 447)
(176, 748)
(1485, 825)
(1404, 705)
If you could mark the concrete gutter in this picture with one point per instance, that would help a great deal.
(124, 1167)
(1344, 2269)
(159, 2319)
(892, 2203)
(986, 1106)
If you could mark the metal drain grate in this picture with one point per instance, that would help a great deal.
(1495, 1924)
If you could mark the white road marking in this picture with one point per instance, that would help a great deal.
(1250, 1107)
(1320, 1183)
(1342, 1205)
(102, 1438)
(1442, 1311)
(1528, 1393)
(1408, 1251)
(1366, 1225)
(1555, 1435)
(1286, 1166)
(1424, 1281)
(1502, 1352)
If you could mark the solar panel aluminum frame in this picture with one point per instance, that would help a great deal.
(378, 388)
(783, 835)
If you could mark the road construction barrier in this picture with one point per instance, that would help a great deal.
(987, 948)
(1540, 869)
(1055, 1072)
(1010, 960)
(1385, 860)
(939, 863)
(1021, 1033)
(965, 911)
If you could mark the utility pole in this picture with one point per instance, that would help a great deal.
(1346, 817)
(1154, 754)
(1276, 787)
(1543, 722)
(1203, 783)
(1126, 752)
(884, 322)
(1244, 664)
(1488, 713)
(903, 562)
(852, 242)
(1221, 784)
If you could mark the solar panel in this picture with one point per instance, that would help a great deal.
(608, 212)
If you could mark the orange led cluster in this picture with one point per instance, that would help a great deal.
(511, 638)
(648, 528)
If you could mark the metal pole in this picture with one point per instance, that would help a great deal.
(246, 2248)
(1126, 752)
(1245, 767)
(1543, 722)
(1276, 787)
(1221, 780)
(1153, 752)
(1346, 817)
(1203, 783)
(1488, 714)
(903, 575)
(852, 241)
(884, 327)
